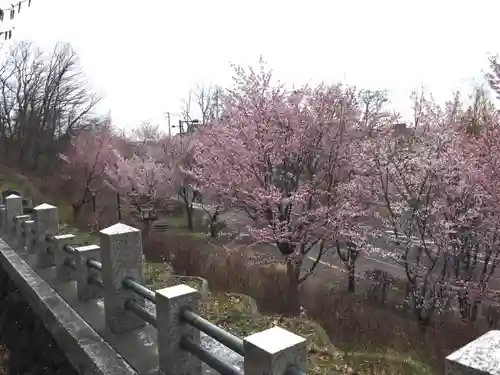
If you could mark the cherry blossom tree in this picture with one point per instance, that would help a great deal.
(426, 181)
(481, 256)
(84, 164)
(178, 157)
(291, 160)
(191, 188)
(144, 180)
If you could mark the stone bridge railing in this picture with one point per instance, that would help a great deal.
(113, 273)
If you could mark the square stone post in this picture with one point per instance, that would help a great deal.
(13, 208)
(169, 303)
(480, 357)
(29, 230)
(121, 255)
(46, 223)
(2, 211)
(2, 218)
(85, 290)
(20, 230)
(274, 351)
(61, 256)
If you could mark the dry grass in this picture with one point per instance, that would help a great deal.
(237, 314)
(361, 333)
(356, 324)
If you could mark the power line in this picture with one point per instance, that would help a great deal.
(13, 10)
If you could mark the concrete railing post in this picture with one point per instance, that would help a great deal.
(273, 352)
(29, 230)
(13, 208)
(169, 304)
(20, 230)
(85, 290)
(46, 223)
(2, 218)
(480, 357)
(2, 212)
(64, 272)
(121, 256)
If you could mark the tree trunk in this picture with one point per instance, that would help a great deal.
(474, 310)
(423, 324)
(147, 230)
(214, 224)
(351, 278)
(292, 299)
(213, 230)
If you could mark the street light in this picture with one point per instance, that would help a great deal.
(147, 213)
(118, 206)
(93, 192)
(190, 125)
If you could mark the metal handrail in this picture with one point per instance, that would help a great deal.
(141, 290)
(71, 264)
(205, 356)
(92, 263)
(224, 337)
(141, 312)
(69, 249)
(294, 371)
(96, 281)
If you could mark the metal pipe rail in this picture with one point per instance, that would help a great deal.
(141, 312)
(226, 338)
(294, 371)
(205, 356)
(92, 263)
(94, 280)
(141, 290)
(69, 249)
(71, 264)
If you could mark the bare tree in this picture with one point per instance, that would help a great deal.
(208, 100)
(44, 98)
(372, 103)
(147, 133)
(204, 103)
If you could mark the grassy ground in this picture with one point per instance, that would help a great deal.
(234, 312)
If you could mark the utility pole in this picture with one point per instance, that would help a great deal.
(169, 126)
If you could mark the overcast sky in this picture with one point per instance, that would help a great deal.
(144, 56)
